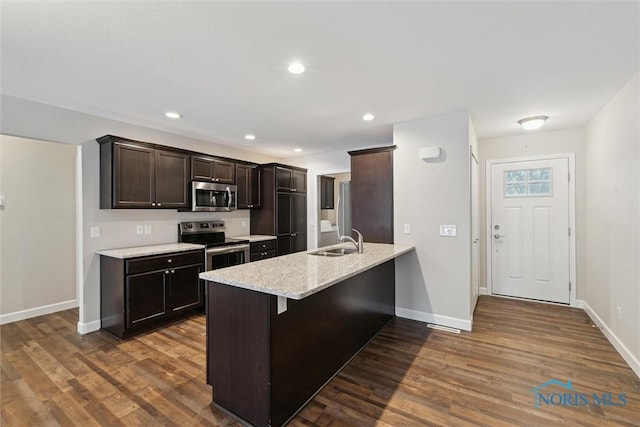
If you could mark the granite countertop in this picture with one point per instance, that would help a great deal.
(299, 275)
(124, 253)
(254, 237)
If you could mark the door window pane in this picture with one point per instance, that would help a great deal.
(527, 182)
(513, 190)
(515, 176)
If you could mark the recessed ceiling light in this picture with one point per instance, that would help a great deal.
(296, 68)
(532, 123)
(368, 117)
(250, 137)
(298, 150)
(173, 115)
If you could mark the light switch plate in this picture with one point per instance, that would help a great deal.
(148, 229)
(140, 229)
(448, 230)
(407, 229)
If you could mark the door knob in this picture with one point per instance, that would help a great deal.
(497, 236)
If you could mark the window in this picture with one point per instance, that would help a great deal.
(527, 183)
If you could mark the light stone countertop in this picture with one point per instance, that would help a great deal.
(254, 237)
(124, 253)
(299, 275)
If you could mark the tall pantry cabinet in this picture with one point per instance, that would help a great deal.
(284, 207)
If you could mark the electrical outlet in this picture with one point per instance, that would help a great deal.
(448, 230)
(147, 229)
(619, 309)
(95, 231)
(140, 229)
(407, 229)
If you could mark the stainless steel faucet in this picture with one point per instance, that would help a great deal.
(359, 244)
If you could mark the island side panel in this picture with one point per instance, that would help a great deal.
(317, 335)
(238, 351)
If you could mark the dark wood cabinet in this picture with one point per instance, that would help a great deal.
(172, 178)
(284, 207)
(212, 169)
(327, 192)
(372, 193)
(291, 213)
(264, 365)
(262, 250)
(137, 175)
(145, 296)
(142, 293)
(248, 183)
(290, 179)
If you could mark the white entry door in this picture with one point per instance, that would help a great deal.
(530, 229)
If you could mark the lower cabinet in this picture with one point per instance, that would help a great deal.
(262, 250)
(139, 294)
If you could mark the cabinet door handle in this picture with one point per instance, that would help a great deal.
(153, 204)
(159, 204)
(173, 272)
(294, 234)
(166, 272)
(169, 260)
(293, 189)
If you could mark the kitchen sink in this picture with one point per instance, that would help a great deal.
(334, 252)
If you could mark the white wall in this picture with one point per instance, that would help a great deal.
(533, 144)
(37, 228)
(612, 220)
(30, 119)
(432, 283)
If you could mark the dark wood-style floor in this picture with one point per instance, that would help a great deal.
(408, 375)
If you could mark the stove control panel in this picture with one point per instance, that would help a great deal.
(201, 227)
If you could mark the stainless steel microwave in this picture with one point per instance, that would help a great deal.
(210, 197)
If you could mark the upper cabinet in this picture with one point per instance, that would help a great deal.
(139, 175)
(212, 169)
(248, 182)
(290, 179)
(326, 192)
(372, 193)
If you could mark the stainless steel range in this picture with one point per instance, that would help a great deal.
(221, 251)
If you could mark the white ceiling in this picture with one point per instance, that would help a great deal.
(223, 65)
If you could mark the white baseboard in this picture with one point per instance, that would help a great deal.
(628, 357)
(482, 290)
(37, 311)
(85, 328)
(421, 316)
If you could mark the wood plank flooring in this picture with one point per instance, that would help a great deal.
(408, 375)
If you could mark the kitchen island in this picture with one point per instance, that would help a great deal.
(279, 329)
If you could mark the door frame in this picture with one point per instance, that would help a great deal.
(572, 217)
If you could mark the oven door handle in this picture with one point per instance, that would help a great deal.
(227, 250)
(229, 196)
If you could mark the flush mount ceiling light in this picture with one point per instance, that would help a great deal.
(532, 123)
(173, 115)
(296, 67)
(298, 150)
(250, 137)
(368, 117)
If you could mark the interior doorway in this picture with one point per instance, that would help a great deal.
(330, 206)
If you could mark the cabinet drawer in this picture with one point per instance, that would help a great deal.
(141, 265)
(263, 246)
(257, 256)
